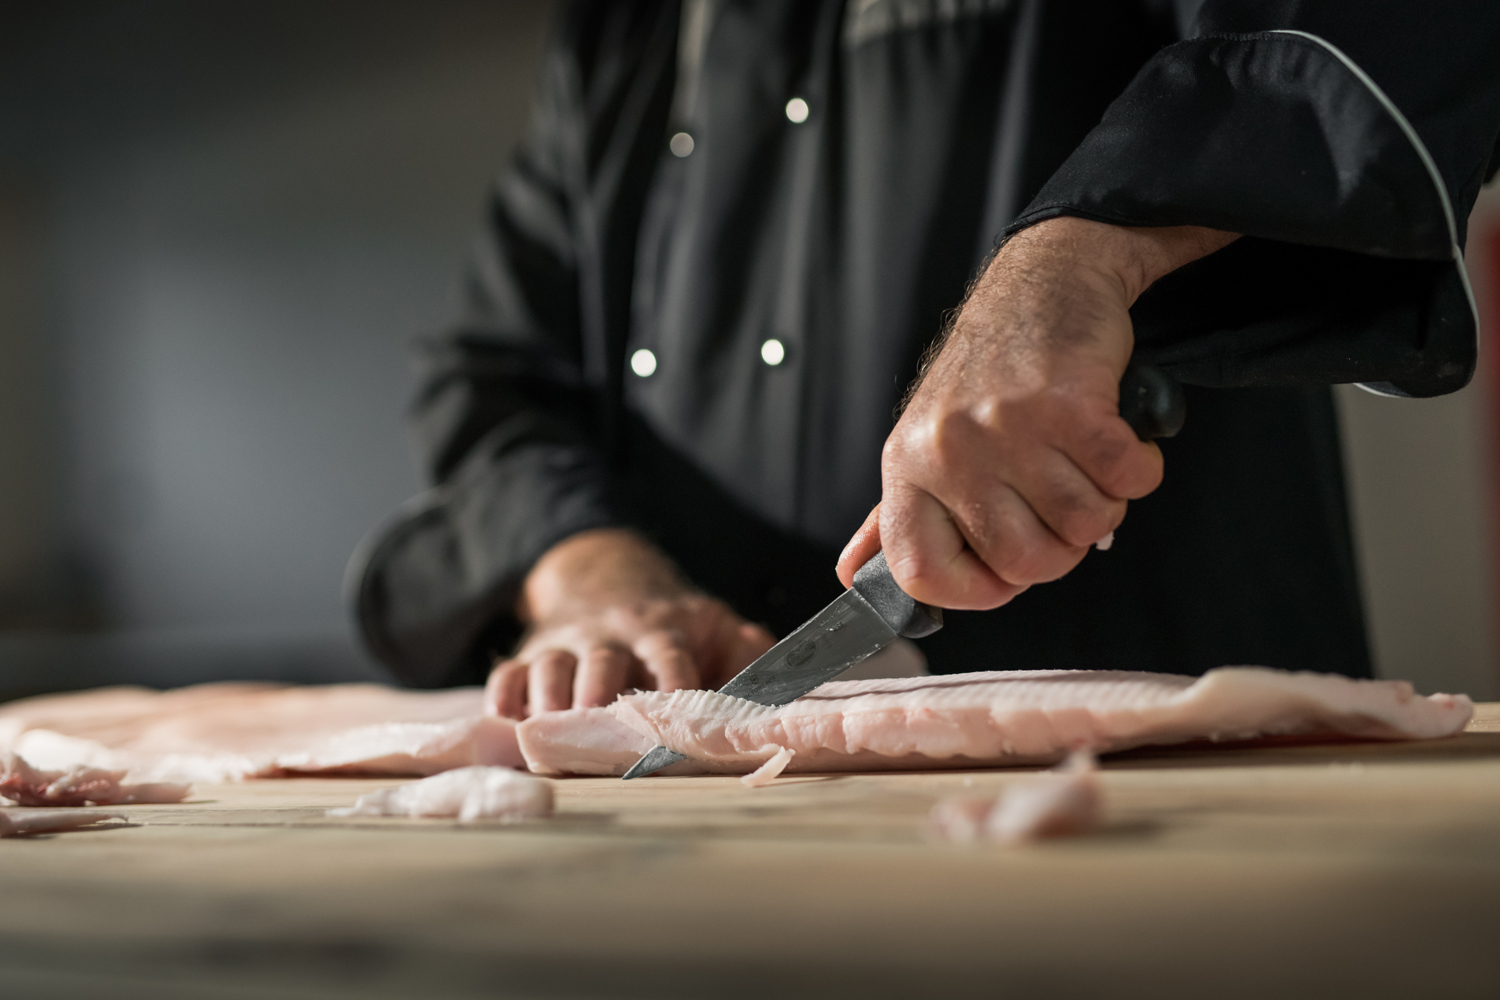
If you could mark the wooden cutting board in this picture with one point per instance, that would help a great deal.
(1366, 870)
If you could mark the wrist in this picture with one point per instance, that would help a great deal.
(1132, 257)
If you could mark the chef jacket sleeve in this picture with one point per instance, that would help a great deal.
(1347, 140)
(505, 422)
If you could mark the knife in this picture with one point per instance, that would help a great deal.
(871, 614)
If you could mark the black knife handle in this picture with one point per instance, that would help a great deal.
(1151, 402)
(908, 616)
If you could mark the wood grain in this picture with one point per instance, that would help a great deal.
(1366, 870)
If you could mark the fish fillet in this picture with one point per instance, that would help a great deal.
(980, 719)
(467, 794)
(231, 731)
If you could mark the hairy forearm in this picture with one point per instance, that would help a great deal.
(1135, 257)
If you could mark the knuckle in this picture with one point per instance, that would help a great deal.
(950, 437)
(604, 654)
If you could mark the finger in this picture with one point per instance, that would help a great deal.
(505, 691)
(861, 548)
(1117, 462)
(667, 663)
(929, 557)
(1012, 541)
(550, 681)
(601, 676)
(1066, 500)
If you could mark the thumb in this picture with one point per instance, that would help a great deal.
(861, 548)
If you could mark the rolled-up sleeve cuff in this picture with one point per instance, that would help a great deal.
(1352, 268)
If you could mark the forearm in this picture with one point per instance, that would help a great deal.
(1054, 294)
(1130, 258)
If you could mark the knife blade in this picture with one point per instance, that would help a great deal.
(871, 614)
(858, 623)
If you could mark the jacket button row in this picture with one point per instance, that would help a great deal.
(681, 144)
(643, 361)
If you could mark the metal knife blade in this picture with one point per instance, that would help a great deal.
(859, 623)
(872, 613)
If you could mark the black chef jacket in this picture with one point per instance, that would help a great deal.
(1346, 139)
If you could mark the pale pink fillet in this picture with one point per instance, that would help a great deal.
(225, 732)
(467, 794)
(29, 823)
(771, 769)
(80, 785)
(981, 719)
(1055, 804)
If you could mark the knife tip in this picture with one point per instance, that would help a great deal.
(656, 759)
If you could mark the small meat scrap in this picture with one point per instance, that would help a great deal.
(1052, 804)
(961, 821)
(80, 786)
(29, 823)
(770, 770)
(468, 793)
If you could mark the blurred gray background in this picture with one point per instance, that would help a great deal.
(220, 225)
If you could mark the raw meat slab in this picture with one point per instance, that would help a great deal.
(229, 731)
(981, 719)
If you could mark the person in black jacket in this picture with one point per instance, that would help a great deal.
(669, 394)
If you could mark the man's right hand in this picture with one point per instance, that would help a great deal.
(606, 612)
(1011, 458)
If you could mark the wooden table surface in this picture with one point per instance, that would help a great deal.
(1364, 870)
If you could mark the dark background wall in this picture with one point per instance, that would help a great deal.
(220, 225)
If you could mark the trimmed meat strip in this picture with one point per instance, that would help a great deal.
(1051, 804)
(1054, 804)
(980, 719)
(467, 794)
(31, 822)
(770, 770)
